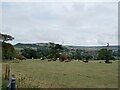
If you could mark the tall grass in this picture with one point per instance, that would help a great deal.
(43, 74)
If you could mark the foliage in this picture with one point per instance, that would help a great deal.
(43, 51)
(88, 57)
(55, 49)
(105, 54)
(8, 51)
(19, 56)
(5, 37)
(116, 53)
(20, 45)
(77, 54)
(29, 53)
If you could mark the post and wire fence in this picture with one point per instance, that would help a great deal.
(10, 78)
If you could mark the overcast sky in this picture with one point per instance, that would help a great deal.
(79, 23)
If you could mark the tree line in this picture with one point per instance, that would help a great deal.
(53, 51)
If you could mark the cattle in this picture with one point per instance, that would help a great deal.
(63, 57)
(58, 59)
(61, 60)
(20, 58)
(108, 62)
(67, 61)
(85, 61)
(49, 60)
(54, 59)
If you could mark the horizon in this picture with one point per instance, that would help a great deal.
(71, 45)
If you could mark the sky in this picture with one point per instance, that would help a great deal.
(74, 23)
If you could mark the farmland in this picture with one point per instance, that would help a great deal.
(43, 74)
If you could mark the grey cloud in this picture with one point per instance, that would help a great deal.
(74, 23)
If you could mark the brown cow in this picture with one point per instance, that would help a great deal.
(49, 60)
(108, 62)
(67, 61)
(63, 57)
(85, 61)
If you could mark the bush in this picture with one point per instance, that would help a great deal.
(19, 56)
(8, 51)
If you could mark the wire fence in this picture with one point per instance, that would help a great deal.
(10, 77)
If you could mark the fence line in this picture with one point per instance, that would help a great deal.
(10, 77)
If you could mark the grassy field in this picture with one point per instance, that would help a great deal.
(55, 74)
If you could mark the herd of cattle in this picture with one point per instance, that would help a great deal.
(16, 60)
(61, 58)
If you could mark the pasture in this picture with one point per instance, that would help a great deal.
(55, 74)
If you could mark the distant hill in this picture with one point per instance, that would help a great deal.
(37, 45)
(94, 47)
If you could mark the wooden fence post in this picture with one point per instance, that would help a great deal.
(8, 74)
(7, 71)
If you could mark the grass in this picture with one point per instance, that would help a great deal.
(55, 74)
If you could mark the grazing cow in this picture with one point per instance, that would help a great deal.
(61, 60)
(77, 60)
(67, 61)
(57, 58)
(63, 57)
(49, 60)
(21, 58)
(108, 62)
(54, 59)
(85, 61)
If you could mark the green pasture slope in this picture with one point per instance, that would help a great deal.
(55, 74)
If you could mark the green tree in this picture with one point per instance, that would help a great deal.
(19, 56)
(55, 50)
(8, 51)
(5, 37)
(105, 54)
(29, 53)
(43, 52)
